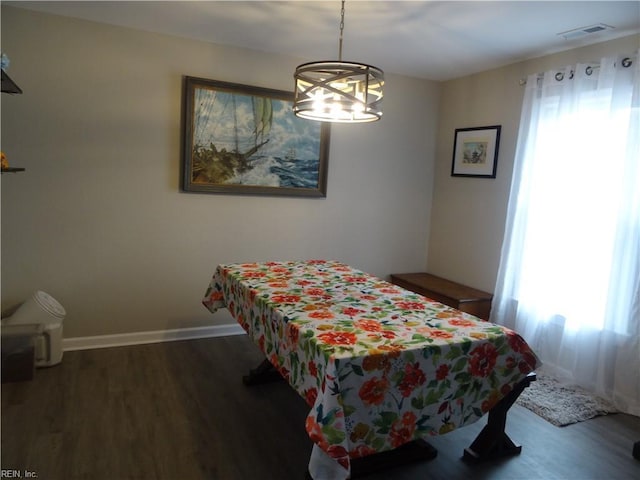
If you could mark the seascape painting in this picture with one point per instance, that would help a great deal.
(242, 139)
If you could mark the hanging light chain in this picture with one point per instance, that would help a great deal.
(341, 30)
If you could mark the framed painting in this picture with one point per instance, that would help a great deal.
(475, 152)
(246, 140)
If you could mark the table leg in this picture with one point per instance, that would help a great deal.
(263, 373)
(492, 441)
(417, 450)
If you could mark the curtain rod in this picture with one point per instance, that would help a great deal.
(626, 63)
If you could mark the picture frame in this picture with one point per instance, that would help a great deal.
(241, 139)
(475, 152)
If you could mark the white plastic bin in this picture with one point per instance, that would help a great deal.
(18, 352)
(40, 308)
(45, 311)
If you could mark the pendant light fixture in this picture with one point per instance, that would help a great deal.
(337, 91)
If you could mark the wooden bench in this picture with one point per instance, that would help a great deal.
(466, 299)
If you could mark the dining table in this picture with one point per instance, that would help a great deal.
(380, 367)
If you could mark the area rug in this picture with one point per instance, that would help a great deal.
(561, 404)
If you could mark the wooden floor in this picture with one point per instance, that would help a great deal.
(180, 411)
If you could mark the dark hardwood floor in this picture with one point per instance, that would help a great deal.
(179, 410)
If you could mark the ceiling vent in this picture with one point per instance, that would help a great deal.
(582, 31)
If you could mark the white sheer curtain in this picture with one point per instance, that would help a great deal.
(569, 277)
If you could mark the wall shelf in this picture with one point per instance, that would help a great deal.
(8, 85)
(12, 170)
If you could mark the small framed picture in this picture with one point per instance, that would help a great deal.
(475, 152)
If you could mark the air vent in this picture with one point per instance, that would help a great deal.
(582, 31)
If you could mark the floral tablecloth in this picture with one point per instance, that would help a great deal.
(378, 365)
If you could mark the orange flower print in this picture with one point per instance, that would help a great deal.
(436, 333)
(254, 274)
(351, 312)
(373, 391)
(313, 370)
(394, 350)
(388, 334)
(286, 298)
(462, 322)
(483, 359)
(389, 290)
(368, 297)
(321, 314)
(279, 269)
(314, 430)
(361, 451)
(354, 279)
(216, 296)
(310, 396)
(410, 305)
(409, 419)
(516, 342)
(368, 325)
(402, 430)
(375, 362)
(442, 372)
(338, 338)
(413, 377)
(294, 333)
(314, 291)
(340, 454)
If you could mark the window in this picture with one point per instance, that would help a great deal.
(569, 277)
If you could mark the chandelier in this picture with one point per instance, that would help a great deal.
(337, 91)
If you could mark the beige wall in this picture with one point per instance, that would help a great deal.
(468, 214)
(97, 219)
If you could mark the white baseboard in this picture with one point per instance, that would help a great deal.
(139, 338)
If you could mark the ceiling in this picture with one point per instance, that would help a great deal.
(425, 39)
